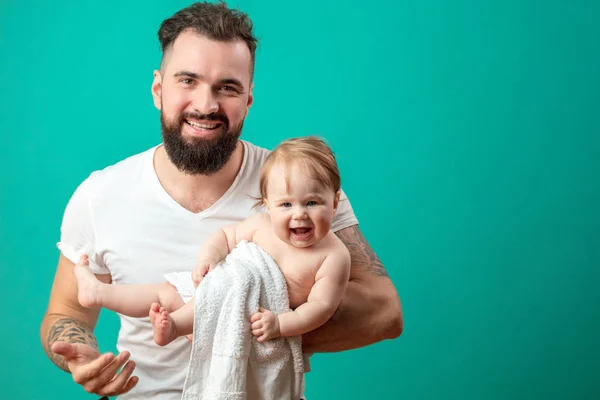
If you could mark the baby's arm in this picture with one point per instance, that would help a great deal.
(324, 298)
(221, 242)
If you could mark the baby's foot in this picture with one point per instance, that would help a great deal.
(164, 327)
(89, 288)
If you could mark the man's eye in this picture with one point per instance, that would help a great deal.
(228, 89)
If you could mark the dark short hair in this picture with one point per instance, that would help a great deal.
(213, 20)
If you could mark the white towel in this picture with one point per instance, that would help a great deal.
(227, 362)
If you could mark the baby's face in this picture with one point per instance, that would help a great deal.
(301, 208)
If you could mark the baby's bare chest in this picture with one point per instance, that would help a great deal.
(299, 272)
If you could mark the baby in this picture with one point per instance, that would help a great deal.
(300, 189)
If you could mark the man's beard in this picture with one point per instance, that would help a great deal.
(198, 155)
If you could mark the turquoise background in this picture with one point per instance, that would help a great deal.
(468, 135)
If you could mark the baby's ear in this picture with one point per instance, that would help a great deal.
(336, 200)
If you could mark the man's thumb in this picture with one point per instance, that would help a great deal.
(67, 350)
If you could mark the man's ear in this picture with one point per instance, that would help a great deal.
(250, 98)
(157, 90)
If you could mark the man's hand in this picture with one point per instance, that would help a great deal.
(265, 325)
(97, 373)
(202, 268)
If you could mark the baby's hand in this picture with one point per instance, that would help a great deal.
(202, 268)
(265, 325)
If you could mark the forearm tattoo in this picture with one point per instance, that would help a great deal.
(68, 330)
(361, 252)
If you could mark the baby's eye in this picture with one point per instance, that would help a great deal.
(287, 204)
(311, 203)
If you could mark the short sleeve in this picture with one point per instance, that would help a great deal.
(344, 217)
(77, 234)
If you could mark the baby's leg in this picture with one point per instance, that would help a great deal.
(168, 327)
(130, 300)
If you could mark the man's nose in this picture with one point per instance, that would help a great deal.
(205, 101)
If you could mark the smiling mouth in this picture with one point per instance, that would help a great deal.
(203, 126)
(301, 233)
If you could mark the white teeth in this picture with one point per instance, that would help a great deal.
(202, 126)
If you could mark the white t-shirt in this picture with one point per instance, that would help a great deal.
(132, 229)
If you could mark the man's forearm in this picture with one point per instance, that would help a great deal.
(62, 328)
(370, 310)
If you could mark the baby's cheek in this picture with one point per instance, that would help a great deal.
(326, 220)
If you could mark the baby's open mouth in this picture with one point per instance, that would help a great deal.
(301, 233)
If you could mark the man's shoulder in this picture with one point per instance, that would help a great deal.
(256, 153)
(121, 172)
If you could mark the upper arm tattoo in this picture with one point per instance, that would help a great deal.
(361, 252)
(68, 330)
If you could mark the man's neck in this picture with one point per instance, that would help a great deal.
(196, 192)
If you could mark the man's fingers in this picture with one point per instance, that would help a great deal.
(64, 349)
(130, 384)
(83, 374)
(119, 384)
(108, 373)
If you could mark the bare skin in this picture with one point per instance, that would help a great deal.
(295, 232)
(66, 331)
(133, 302)
(68, 339)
